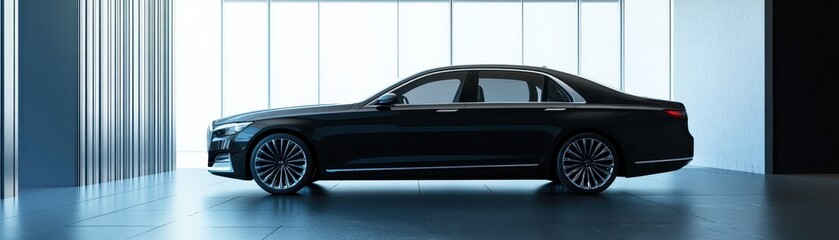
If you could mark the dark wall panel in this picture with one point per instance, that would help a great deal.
(48, 101)
(95, 91)
(805, 88)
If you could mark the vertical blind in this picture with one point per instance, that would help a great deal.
(125, 89)
(8, 100)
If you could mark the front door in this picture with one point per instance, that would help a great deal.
(420, 131)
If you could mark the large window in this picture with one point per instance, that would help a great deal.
(294, 52)
(486, 31)
(357, 49)
(424, 35)
(600, 41)
(234, 56)
(197, 77)
(647, 48)
(244, 56)
(550, 34)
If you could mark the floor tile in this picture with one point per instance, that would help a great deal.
(68, 233)
(227, 233)
(692, 203)
(695, 230)
(132, 218)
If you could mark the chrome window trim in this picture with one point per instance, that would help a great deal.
(665, 160)
(575, 96)
(620, 107)
(425, 168)
(520, 105)
(425, 106)
(371, 103)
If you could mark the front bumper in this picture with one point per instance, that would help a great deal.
(220, 164)
(227, 156)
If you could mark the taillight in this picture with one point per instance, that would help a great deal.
(677, 113)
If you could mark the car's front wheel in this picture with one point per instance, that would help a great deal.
(587, 163)
(281, 164)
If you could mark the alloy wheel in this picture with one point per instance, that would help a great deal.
(280, 163)
(588, 163)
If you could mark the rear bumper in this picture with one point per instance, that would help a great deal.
(646, 167)
(658, 150)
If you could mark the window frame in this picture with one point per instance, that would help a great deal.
(547, 81)
(469, 87)
(428, 80)
(459, 93)
(514, 76)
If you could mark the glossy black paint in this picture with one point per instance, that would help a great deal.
(467, 139)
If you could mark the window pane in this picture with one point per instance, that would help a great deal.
(503, 90)
(555, 94)
(441, 91)
(424, 32)
(294, 52)
(647, 48)
(550, 34)
(357, 49)
(601, 41)
(496, 86)
(487, 31)
(198, 77)
(245, 59)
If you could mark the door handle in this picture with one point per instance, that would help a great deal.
(447, 110)
(554, 109)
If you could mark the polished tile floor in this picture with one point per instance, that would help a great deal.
(692, 203)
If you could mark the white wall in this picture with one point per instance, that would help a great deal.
(718, 59)
(233, 56)
(197, 77)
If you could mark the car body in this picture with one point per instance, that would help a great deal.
(464, 122)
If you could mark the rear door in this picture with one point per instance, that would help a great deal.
(512, 117)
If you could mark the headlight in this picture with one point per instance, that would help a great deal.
(228, 129)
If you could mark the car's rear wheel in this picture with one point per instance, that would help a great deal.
(281, 164)
(587, 163)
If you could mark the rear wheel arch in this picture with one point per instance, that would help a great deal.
(557, 147)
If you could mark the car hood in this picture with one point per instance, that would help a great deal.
(282, 112)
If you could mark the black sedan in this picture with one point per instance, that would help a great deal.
(460, 122)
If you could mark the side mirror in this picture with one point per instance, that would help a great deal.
(387, 99)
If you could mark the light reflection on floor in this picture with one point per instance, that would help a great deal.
(191, 204)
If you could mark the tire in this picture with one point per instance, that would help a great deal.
(587, 163)
(281, 164)
(315, 176)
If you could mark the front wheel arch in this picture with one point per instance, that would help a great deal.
(256, 139)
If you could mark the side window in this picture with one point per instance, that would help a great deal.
(504, 90)
(554, 92)
(435, 89)
(507, 86)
